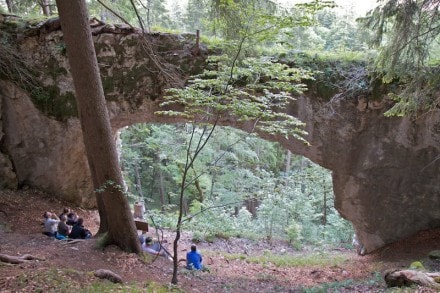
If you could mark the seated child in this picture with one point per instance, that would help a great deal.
(63, 228)
(154, 248)
(50, 224)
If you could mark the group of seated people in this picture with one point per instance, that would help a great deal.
(69, 226)
(65, 226)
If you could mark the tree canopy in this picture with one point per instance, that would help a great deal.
(406, 32)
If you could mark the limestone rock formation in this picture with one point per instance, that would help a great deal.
(385, 170)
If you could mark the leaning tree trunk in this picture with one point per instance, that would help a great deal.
(98, 140)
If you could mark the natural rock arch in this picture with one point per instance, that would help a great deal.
(385, 170)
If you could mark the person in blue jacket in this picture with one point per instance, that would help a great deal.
(194, 259)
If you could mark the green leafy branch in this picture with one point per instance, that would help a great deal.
(257, 89)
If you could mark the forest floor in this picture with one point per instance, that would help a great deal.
(70, 267)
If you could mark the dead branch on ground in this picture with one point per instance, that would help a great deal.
(18, 259)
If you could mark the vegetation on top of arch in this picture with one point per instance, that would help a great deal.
(258, 90)
(406, 34)
(240, 83)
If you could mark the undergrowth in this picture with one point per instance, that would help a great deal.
(374, 282)
(320, 259)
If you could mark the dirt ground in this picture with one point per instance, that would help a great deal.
(20, 233)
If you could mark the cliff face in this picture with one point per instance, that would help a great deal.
(385, 170)
(40, 134)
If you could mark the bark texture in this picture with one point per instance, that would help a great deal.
(95, 124)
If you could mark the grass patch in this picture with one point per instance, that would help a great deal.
(70, 280)
(319, 259)
(370, 285)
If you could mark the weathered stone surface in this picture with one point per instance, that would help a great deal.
(47, 153)
(8, 179)
(42, 133)
(385, 170)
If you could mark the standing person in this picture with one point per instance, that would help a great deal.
(50, 224)
(194, 259)
(79, 232)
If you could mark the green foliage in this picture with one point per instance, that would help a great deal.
(163, 220)
(257, 91)
(347, 285)
(26, 8)
(321, 259)
(330, 32)
(50, 101)
(417, 265)
(103, 241)
(210, 223)
(249, 170)
(406, 34)
(293, 232)
(343, 74)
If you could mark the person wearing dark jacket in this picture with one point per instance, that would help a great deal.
(79, 232)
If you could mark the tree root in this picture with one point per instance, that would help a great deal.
(71, 241)
(18, 259)
(412, 277)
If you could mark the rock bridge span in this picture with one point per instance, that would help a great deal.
(385, 170)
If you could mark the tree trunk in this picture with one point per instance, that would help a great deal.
(10, 5)
(161, 190)
(160, 182)
(45, 5)
(98, 140)
(252, 205)
(324, 210)
(201, 196)
(213, 180)
(137, 176)
(288, 161)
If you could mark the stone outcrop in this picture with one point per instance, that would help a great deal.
(385, 170)
(42, 143)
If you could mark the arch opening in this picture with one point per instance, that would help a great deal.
(239, 185)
